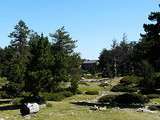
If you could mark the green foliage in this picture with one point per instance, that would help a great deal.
(128, 84)
(33, 99)
(125, 99)
(39, 81)
(148, 76)
(92, 92)
(107, 99)
(118, 60)
(20, 58)
(63, 51)
(122, 88)
(131, 99)
(132, 79)
(39, 74)
(34, 64)
(12, 90)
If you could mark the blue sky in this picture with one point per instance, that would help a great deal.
(94, 23)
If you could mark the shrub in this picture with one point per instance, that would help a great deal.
(93, 92)
(130, 79)
(124, 99)
(52, 96)
(33, 99)
(131, 98)
(107, 99)
(12, 89)
(122, 88)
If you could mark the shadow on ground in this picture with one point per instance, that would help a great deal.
(83, 103)
(5, 101)
(9, 107)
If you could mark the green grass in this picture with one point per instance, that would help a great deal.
(155, 100)
(64, 110)
(90, 87)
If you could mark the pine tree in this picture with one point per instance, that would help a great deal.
(38, 70)
(150, 41)
(20, 56)
(62, 47)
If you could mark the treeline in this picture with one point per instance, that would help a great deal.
(140, 58)
(37, 63)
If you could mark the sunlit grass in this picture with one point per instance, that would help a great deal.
(65, 110)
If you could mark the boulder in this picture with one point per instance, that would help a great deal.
(29, 108)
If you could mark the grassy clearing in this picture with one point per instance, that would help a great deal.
(64, 110)
(90, 87)
(155, 101)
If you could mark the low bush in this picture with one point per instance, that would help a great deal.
(107, 99)
(131, 98)
(12, 90)
(52, 96)
(124, 88)
(124, 99)
(130, 79)
(92, 92)
(127, 84)
(33, 99)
